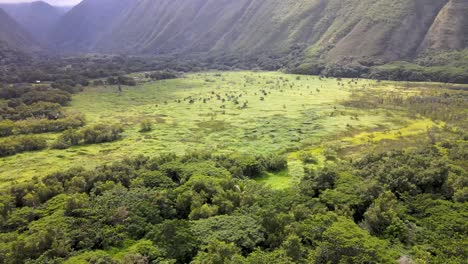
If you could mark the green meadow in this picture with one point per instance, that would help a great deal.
(222, 112)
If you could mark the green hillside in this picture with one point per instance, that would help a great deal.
(372, 31)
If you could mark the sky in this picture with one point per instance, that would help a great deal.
(52, 2)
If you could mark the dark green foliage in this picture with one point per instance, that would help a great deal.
(28, 94)
(121, 80)
(161, 75)
(173, 209)
(68, 73)
(422, 171)
(344, 242)
(101, 133)
(36, 126)
(218, 252)
(413, 72)
(243, 231)
(91, 135)
(40, 110)
(176, 239)
(308, 158)
(396, 71)
(67, 139)
(443, 228)
(6, 128)
(313, 183)
(384, 217)
(244, 165)
(19, 144)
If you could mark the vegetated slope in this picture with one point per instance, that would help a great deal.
(183, 26)
(450, 28)
(13, 36)
(332, 31)
(38, 18)
(378, 29)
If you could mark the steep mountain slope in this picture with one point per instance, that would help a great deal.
(450, 28)
(13, 36)
(167, 26)
(332, 31)
(37, 18)
(379, 29)
(82, 27)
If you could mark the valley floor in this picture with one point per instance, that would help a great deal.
(224, 112)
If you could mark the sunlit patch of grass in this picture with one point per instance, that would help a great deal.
(279, 180)
(414, 128)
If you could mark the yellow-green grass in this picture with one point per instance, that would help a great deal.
(278, 180)
(297, 111)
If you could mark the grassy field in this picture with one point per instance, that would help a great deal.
(252, 112)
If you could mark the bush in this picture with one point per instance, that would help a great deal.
(92, 135)
(51, 96)
(146, 126)
(102, 133)
(36, 126)
(6, 128)
(162, 75)
(67, 139)
(19, 144)
(307, 157)
(275, 162)
(41, 109)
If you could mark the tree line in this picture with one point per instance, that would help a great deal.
(207, 208)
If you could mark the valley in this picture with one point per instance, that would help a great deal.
(225, 112)
(233, 132)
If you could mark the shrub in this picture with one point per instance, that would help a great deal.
(67, 139)
(91, 135)
(307, 157)
(102, 133)
(6, 128)
(19, 144)
(162, 75)
(146, 126)
(35, 126)
(275, 162)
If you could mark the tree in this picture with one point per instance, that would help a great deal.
(267, 257)
(383, 218)
(345, 242)
(243, 231)
(219, 252)
(176, 239)
(293, 247)
(313, 183)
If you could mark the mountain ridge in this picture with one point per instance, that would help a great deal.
(13, 36)
(38, 18)
(334, 31)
